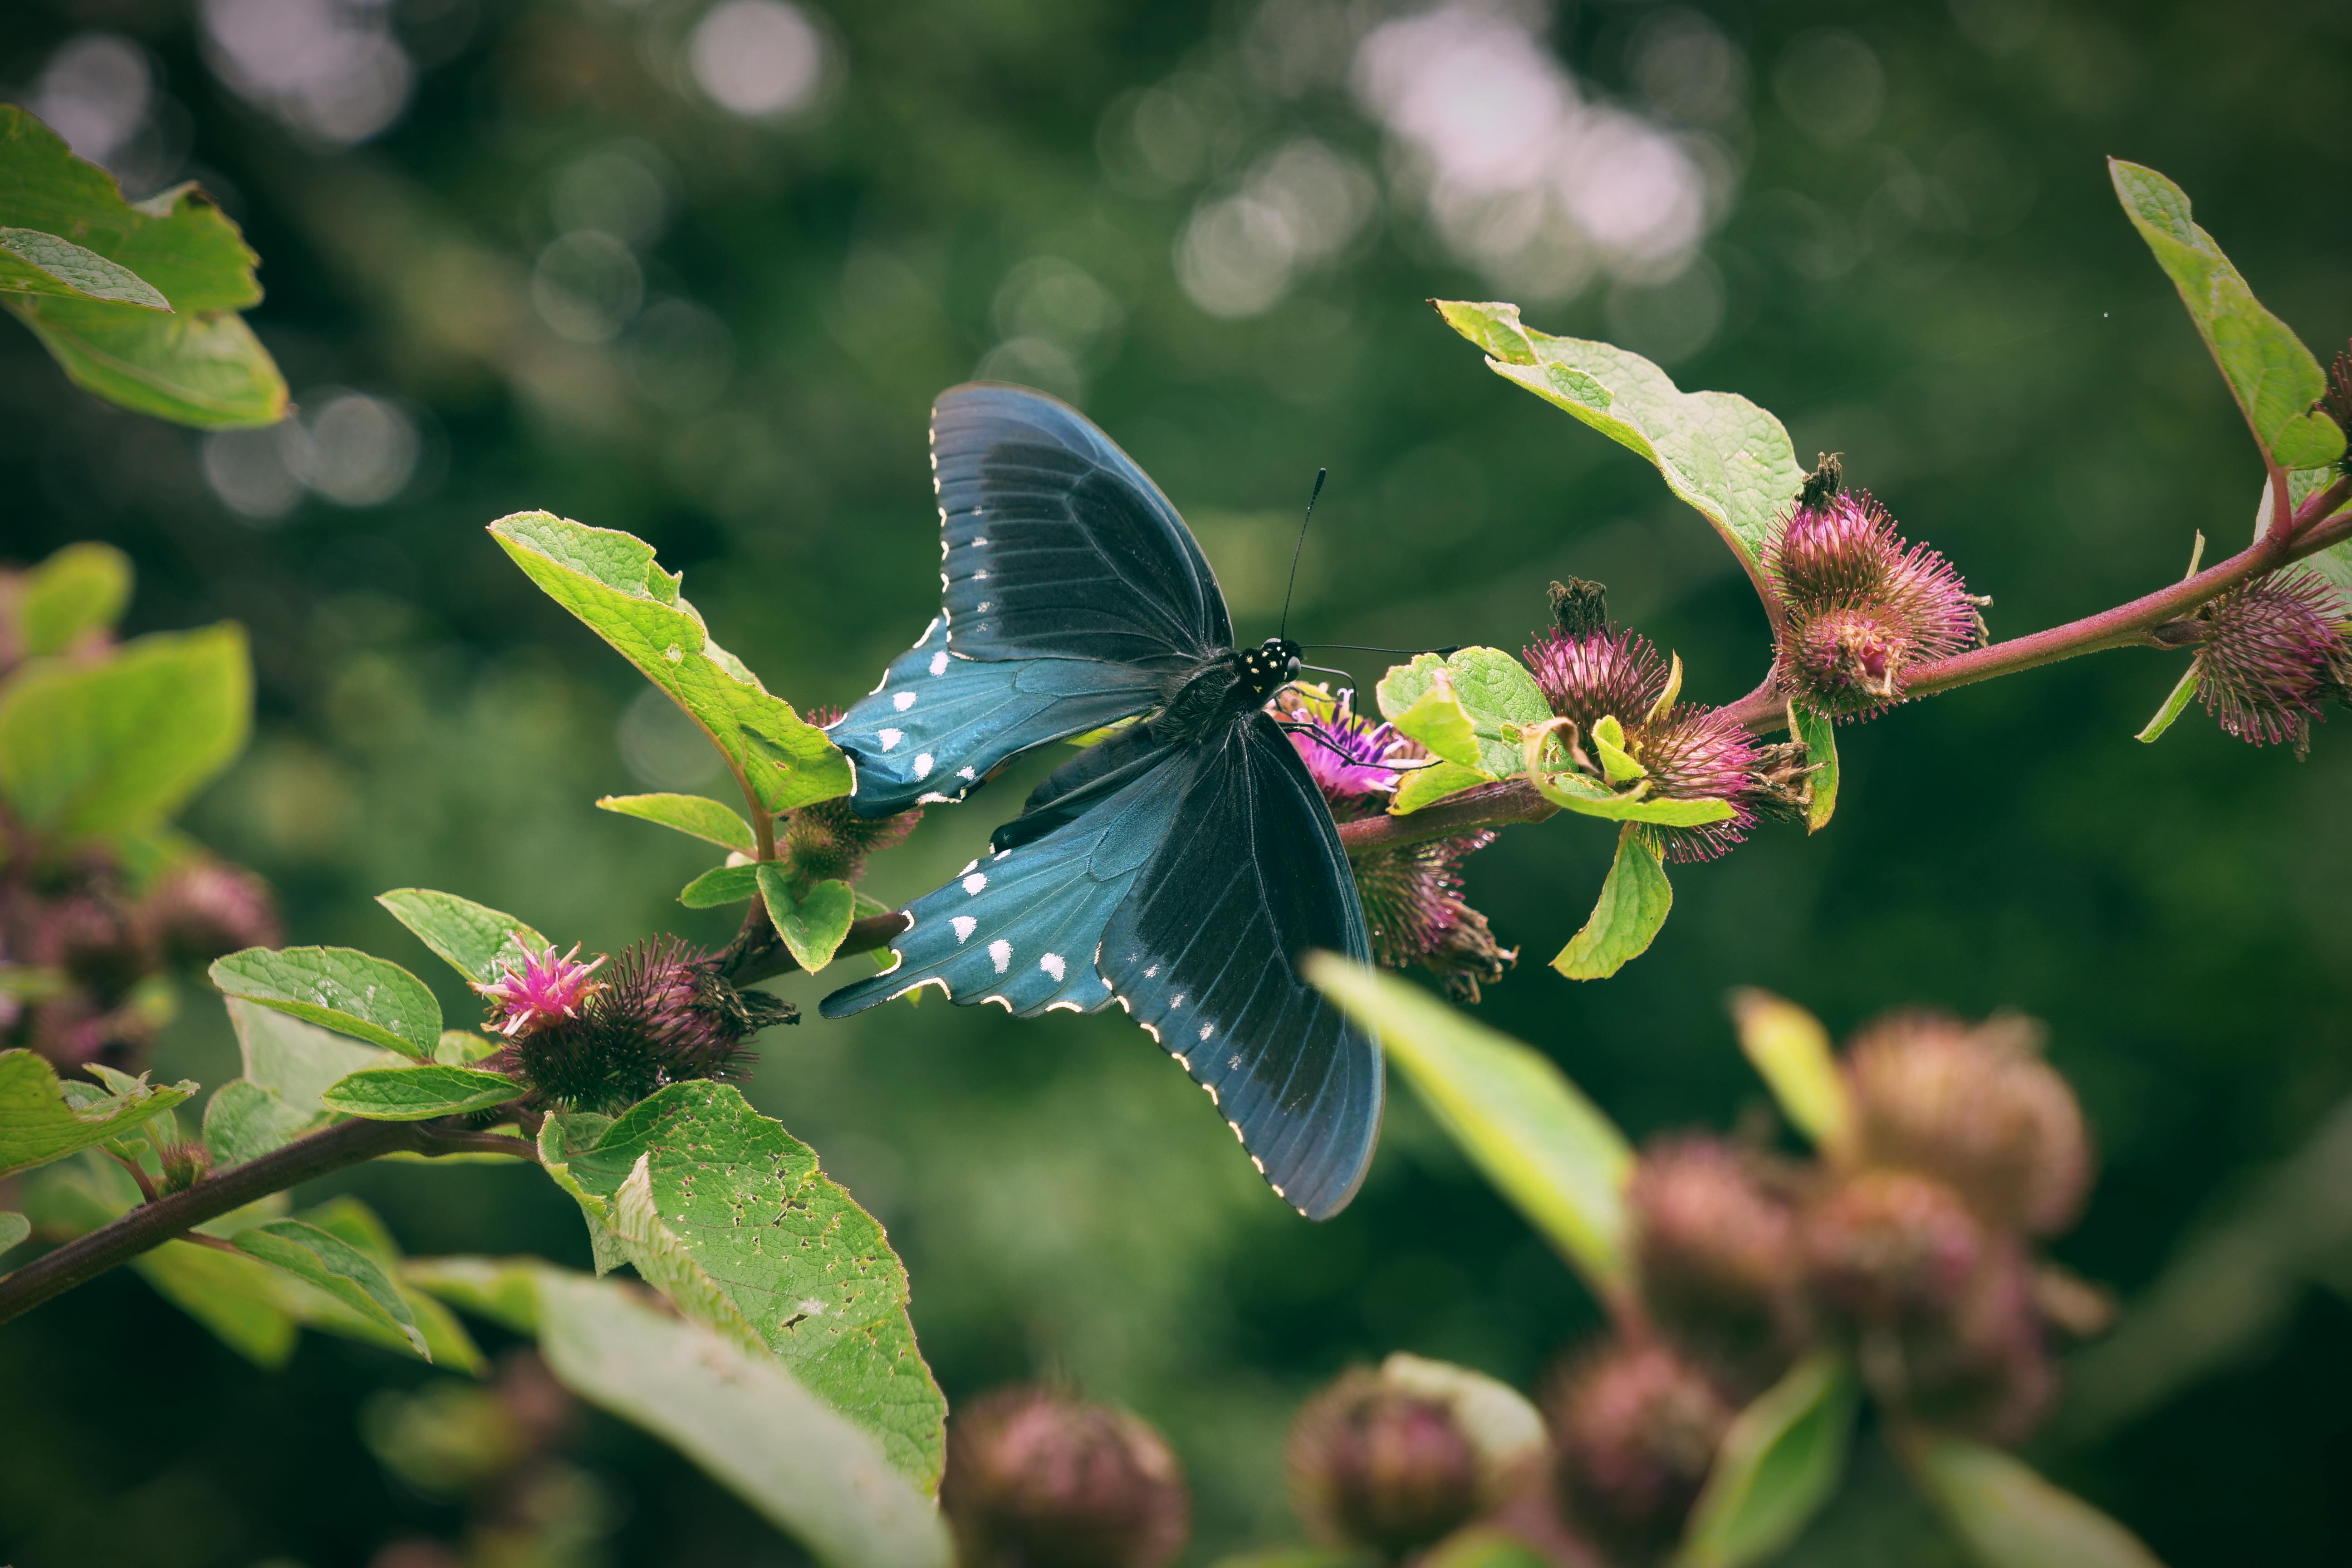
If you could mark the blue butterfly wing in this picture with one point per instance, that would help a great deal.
(939, 723)
(1204, 953)
(1072, 595)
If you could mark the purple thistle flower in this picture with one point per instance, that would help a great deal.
(1861, 605)
(1695, 752)
(664, 1014)
(1598, 674)
(540, 991)
(2273, 648)
(1347, 755)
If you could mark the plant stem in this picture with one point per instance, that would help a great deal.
(321, 1153)
(758, 954)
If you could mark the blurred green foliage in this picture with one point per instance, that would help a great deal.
(556, 273)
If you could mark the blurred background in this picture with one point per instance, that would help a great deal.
(695, 269)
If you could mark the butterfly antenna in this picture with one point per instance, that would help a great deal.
(1407, 652)
(1320, 475)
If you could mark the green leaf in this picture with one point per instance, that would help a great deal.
(2274, 377)
(81, 588)
(117, 746)
(730, 1218)
(14, 1229)
(610, 581)
(420, 1093)
(448, 1343)
(334, 1266)
(242, 1121)
(338, 988)
(1437, 719)
(735, 1412)
(210, 372)
(1779, 1462)
(1542, 1144)
(1494, 692)
(696, 816)
(2007, 1517)
(2174, 706)
(1590, 797)
(558, 1133)
(721, 885)
(475, 940)
(1609, 739)
(32, 262)
(295, 1060)
(1483, 1546)
(43, 1120)
(1427, 785)
(1717, 451)
(813, 925)
(1819, 733)
(1634, 899)
(463, 1047)
(1789, 1046)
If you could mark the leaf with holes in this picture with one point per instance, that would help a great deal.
(1819, 733)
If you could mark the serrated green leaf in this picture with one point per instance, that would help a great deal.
(422, 1092)
(1609, 740)
(720, 885)
(611, 582)
(338, 988)
(43, 1120)
(243, 1121)
(735, 1412)
(81, 588)
(1543, 1145)
(1634, 899)
(731, 1218)
(1591, 798)
(1426, 785)
(1717, 451)
(1439, 723)
(694, 815)
(2008, 1517)
(2274, 377)
(1819, 733)
(33, 262)
(14, 1229)
(1495, 696)
(117, 746)
(334, 1266)
(813, 925)
(475, 940)
(1779, 1462)
(1789, 1047)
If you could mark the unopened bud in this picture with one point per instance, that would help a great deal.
(1975, 1106)
(827, 841)
(184, 1164)
(1371, 1465)
(1716, 1257)
(1634, 1430)
(1036, 1480)
(1888, 1244)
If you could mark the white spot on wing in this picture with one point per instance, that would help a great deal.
(1053, 965)
(1000, 954)
(892, 737)
(967, 775)
(974, 881)
(964, 926)
(906, 699)
(1237, 1133)
(1153, 973)
(1207, 1029)
(939, 662)
(922, 766)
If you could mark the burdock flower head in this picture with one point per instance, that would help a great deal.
(1590, 670)
(1859, 604)
(535, 990)
(1718, 1257)
(1634, 1430)
(662, 1015)
(1038, 1480)
(826, 841)
(1380, 1467)
(2274, 649)
(1411, 894)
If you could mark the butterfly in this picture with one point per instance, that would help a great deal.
(1178, 868)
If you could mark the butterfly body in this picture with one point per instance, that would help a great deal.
(1178, 868)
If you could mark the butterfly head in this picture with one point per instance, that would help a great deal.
(1269, 666)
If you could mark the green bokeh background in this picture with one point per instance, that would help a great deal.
(1949, 295)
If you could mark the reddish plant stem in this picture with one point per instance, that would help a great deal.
(321, 1153)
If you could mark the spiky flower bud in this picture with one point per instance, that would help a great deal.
(1984, 1367)
(1890, 1245)
(1038, 1480)
(1859, 606)
(1411, 894)
(1977, 1106)
(1594, 674)
(2274, 649)
(183, 1164)
(1375, 1466)
(1634, 1430)
(662, 1015)
(201, 910)
(536, 991)
(1717, 1256)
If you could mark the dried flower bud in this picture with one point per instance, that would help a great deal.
(1978, 1108)
(1890, 1245)
(1717, 1256)
(183, 1164)
(1634, 1430)
(1859, 604)
(1373, 1465)
(661, 1015)
(1578, 607)
(1036, 1480)
(202, 911)
(2272, 654)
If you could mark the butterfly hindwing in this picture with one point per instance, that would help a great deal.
(1204, 953)
(1056, 545)
(939, 722)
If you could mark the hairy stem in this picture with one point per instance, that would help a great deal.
(321, 1153)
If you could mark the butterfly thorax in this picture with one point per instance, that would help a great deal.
(1232, 681)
